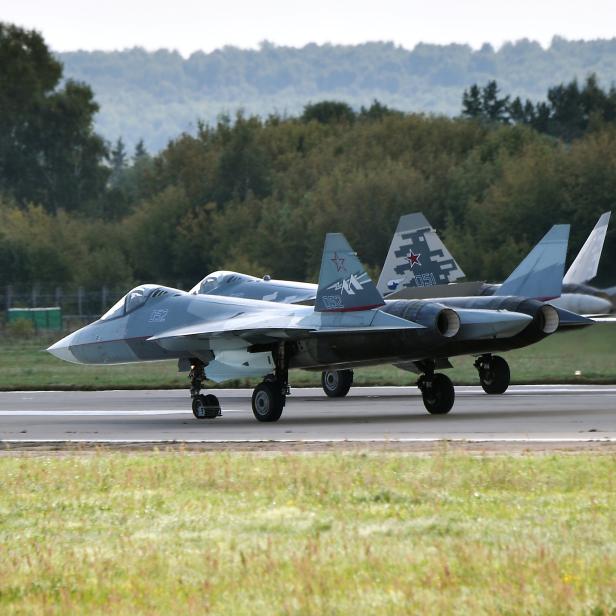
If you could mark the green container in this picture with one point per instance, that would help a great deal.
(42, 318)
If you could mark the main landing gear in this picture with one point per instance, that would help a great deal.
(494, 374)
(203, 406)
(336, 383)
(270, 396)
(437, 391)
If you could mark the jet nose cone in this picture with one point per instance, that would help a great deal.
(61, 349)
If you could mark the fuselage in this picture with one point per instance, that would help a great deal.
(157, 323)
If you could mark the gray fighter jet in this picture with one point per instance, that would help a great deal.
(349, 326)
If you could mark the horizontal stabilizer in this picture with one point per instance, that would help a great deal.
(344, 284)
(540, 275)
(455, 289)
(571, 320)
(586, 264)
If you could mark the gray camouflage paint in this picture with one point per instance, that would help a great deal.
(417, 258)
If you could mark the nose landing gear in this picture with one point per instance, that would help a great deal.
(494, 373)
(203, 406)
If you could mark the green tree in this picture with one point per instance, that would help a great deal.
(485, 103)
(327, 112)
(49, 153)
(472, 104)
(118, 161)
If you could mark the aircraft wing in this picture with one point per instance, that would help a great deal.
(257, 327)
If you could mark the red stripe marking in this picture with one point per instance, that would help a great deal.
(356, 309)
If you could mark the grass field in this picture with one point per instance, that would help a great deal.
(371, 533)
(591, 352)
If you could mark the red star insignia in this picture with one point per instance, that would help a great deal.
(338, 262)
(413, 259)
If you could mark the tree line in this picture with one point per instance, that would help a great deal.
(157, 95)
(258, 194)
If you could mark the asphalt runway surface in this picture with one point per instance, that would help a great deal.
(534, 413)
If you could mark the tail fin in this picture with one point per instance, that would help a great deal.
(344, 284)
(417, 257)
(540, 275)
(585, 266)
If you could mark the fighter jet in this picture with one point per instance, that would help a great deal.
(350, 325)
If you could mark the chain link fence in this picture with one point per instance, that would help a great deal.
(79, 305)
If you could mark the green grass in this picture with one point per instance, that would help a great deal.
(24, 365)
(370, 533)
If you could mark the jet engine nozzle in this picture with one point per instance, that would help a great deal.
(448, 323)
(548, 319)
(439, 319)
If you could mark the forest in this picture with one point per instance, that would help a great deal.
(157, 95)
(257, 194)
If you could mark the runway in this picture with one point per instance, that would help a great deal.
(557, 413)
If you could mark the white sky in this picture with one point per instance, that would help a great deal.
(189, 25)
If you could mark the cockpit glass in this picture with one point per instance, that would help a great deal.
(117, 310)
(130, 302)
(209, 284)
(136, 298)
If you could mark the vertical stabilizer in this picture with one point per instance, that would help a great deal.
(586, 264)
(417, 258)
(540, 275)
(344, 284)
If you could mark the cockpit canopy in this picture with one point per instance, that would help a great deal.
(132, 300)
(214, 283)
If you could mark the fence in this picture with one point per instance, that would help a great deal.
(76, 302)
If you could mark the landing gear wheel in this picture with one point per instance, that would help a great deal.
(268, 401)
(438, 393)
(494, 375)
(206, 406)
(336, 383)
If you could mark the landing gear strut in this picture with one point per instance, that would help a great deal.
(203, 406)
(437, 391)
(494, 374)
(336, 383)
(270, 396)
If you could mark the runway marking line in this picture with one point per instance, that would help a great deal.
(101, 413)
(606, 439)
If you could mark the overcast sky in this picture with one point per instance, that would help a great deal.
(189, 25)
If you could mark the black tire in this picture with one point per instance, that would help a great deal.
(495, 378)
(205, 406)
(438, 394)
(336, 383)
(268, 401)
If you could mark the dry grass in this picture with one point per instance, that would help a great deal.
(308, 534)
